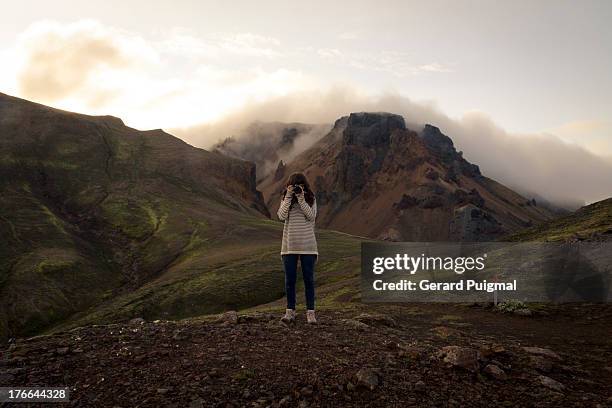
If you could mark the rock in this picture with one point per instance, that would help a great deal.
(419, 386)
(229, 318)
(137, 320)
(494, 371)
(163, 391)
(471, 223)
(550, 383)
(539, 351)
(438, 142)
(433, 201)
(280, 171)
(489, 351)
(367, 378)
(463, 357)
(303, 404)
(371, 129)
(355, 324)
(541, 363)
(500, 365)
(372, 319)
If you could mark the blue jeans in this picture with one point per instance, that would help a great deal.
(290, 262)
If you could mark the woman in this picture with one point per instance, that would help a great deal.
(298, 209)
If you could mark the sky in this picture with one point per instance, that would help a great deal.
(534, 69)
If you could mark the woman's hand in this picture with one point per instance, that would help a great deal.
(289, 191)
(300, 195)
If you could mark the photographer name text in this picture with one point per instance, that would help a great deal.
(461, 285)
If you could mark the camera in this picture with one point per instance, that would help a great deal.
(297, 189)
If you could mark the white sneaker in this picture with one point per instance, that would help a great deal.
(310, 317)
(289, 316)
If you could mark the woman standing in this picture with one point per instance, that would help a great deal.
(298, 210)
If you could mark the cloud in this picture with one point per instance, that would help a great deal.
(540, 165)
(61, 61)
(594, 135)
(169, 78)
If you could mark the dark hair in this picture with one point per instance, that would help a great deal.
(300, 178)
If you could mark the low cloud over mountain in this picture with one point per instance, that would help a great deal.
(534, 164)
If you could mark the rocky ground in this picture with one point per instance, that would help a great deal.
(382, 356)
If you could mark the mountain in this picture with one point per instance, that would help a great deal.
(89, 205)
(376, 178)
(269, 143)
(589, 223)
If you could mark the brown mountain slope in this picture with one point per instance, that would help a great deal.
(376, 178)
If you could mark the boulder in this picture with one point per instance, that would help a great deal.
(355, 324)
(229, 318)
(494, 371)
(463, 357)
(541, 363)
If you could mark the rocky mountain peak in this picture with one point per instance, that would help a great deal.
(442, 146)
(369, 129)
(438, 142)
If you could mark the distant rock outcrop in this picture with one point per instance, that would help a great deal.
(280, 171)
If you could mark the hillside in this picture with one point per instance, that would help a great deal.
(592, 223)
(103, 222)
(374, 177)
